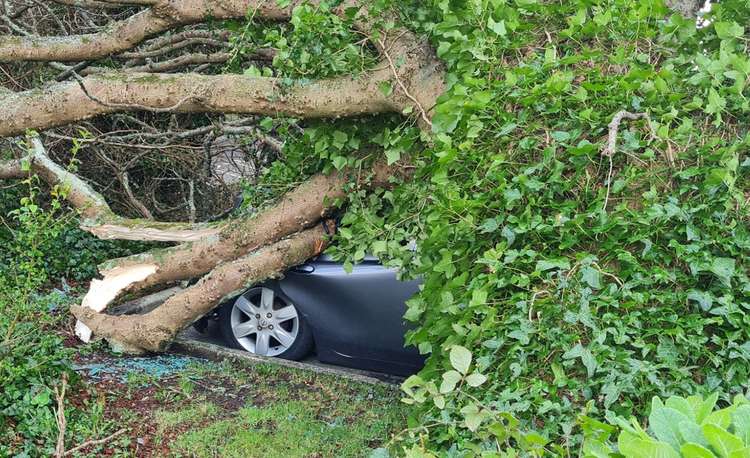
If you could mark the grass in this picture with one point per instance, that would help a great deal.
(235, 410)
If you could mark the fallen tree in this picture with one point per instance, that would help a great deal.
(228, 255)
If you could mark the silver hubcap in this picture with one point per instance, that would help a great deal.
(264, 323)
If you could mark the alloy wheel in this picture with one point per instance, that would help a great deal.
(263, 322)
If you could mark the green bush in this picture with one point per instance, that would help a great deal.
(572, 277)
(679, 427)
(40, 245)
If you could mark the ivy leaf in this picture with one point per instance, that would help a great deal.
(392, 155)
(489, 225)
(724, 268)
(549, 264)
(716, 103)
(592, 277)
(460, 359)
(339, 162)
(339, 139)
(587, 358)
(704, 299)
(386, 88)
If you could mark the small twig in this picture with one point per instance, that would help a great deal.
(609, 150)
(401, 83)
(124, 178)
(74, 69)
(60, 416)
(191, 200)
(95, 442)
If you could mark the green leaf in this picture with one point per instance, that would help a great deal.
(691, 450)
(339, 139)
(664, 422)
(725, 30)
(460, 359)
(549, 264)
(450, 380)
(592, 277)
(339, 162)
(392, 155)
(476, 379)
(724, 268)
(704, 299)
(722, 440)
(741, 422)
(632, 446)
(489, 225)
(472, 416)
(691, 432)
(716, 103)
(741, 453)
(497, 27)
(705, 408)
(588, 360)
(386, 88)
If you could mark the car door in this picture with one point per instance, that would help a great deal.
(357, 317)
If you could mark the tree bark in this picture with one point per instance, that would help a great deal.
(64, 103)
(155, 330)
(163, 15)
(298, 210)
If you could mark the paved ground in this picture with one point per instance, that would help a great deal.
(213, 336)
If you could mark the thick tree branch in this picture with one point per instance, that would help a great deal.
(298, 210)
(155, 330)
(72, 101)
(123, 35)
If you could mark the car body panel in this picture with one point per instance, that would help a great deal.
(357, 317)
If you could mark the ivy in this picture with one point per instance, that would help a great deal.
(562, 305)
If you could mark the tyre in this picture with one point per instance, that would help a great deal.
(264, 322)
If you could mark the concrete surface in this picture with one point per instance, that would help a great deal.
(216, 348)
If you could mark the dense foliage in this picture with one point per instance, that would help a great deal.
(688, 427)
(572, 278)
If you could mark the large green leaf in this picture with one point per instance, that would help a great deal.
(721, 440)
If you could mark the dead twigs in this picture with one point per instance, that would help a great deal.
(92, 443)
(60, 416)
(611, 148)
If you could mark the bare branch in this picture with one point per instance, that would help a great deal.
(123, 35)
(97, 217)
(67, 102)
(109, 4)
(125, 181)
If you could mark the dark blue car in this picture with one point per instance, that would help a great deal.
(351, 319)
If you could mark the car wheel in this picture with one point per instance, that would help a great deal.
(266, 323)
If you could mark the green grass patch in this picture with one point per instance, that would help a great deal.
(266, 410)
